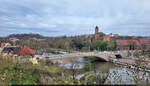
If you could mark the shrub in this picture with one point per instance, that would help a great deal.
(88, 67)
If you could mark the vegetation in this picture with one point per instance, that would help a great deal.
(102, 46)
(21, 71)
(88, 67)
(50, 44)
(91, 78)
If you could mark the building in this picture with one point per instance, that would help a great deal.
(10, 49)
(116, 35)
(145, 42)
(132, 43)
(3, 44)
(96, 35)
(125, 42)
(106, 38)
(14, 39)
(24, 50)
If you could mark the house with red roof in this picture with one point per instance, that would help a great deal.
(145, 42)
(24, 50)
(13, 39)
(116, 35)
(129, 44)
(3, 44)
(106, 38)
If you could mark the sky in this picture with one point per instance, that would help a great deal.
(74, 17)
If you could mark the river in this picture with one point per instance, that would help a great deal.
(116, 74)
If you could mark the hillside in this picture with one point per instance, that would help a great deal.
(26, 36)
(77, 43)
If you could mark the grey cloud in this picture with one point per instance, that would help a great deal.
(74, 17)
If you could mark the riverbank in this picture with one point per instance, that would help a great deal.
(21, 71)
(142, 64)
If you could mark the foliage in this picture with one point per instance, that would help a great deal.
(88, 67)
(91, 58)
(52, 51)
(19, 72)
(91, 77)
(63, 82)
(26, 36)
(100, 45)
(26, 79)
(78, 44)
(49, 44)
(71, 79)
(54, 69)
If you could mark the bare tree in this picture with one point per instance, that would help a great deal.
(74, 68)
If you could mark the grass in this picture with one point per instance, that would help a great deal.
(13, 72)
(17, 72)
(54, 69)
(91, 58)
(22, 72)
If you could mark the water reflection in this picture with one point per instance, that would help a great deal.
(104, 66)
(76, 64)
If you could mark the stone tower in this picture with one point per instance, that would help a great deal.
(96, 32)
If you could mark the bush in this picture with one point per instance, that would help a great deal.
(54, 69)
(88, 67)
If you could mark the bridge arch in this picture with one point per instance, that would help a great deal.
(95, 58)
(118, 56)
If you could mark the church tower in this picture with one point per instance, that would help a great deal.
(96, 32)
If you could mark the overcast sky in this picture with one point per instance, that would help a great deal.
(74, 17)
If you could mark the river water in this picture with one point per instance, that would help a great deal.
(115, 74)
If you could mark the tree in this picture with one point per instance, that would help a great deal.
(78, 44)
(74, 68)
(111, 46)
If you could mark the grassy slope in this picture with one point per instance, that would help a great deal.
(12, 71)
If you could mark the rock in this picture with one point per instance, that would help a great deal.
(146, 59)
(114, 60)
(132, 67)
(148, 70)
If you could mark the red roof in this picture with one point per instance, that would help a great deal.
(11, 38)
(25, 51)
(106, 38)
(145, 41)
(122, 42)
(116, 35)
(128, 42)
(3, 44)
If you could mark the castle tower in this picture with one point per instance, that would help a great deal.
(96, 32)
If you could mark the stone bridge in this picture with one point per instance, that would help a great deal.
(102, 55)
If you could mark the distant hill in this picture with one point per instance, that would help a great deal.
(26, 36)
